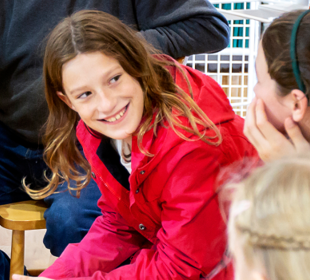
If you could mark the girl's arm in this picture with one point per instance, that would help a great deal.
(109, 242)
(182, 27)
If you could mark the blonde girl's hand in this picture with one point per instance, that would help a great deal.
(268, 141)
(23, 277)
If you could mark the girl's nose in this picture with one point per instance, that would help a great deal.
(106, 102)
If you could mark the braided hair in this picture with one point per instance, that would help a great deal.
(270, 219)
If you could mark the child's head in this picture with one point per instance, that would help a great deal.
(269, 224)
(277, 85)
(96, 66)
(93, 52)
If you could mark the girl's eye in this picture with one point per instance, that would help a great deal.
(84, 95)
(115, 79)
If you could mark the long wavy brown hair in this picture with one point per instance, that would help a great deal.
(91, 31)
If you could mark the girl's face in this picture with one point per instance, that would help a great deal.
(106, 98)
(277, 107)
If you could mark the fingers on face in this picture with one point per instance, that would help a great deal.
(269, 132)
(296, 136)
(260, 114)
(258, 129)
(251, 130)
(250, 121)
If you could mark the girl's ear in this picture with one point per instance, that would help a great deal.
(65, 99)
(300, 105)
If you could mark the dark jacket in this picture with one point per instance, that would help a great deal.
(177, 27)
(170, 218)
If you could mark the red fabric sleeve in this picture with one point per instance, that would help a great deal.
(109, 242)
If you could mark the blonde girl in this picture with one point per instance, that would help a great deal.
(269, 225)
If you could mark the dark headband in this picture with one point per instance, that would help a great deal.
(293, 53)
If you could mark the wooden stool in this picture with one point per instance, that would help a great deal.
(21, 216)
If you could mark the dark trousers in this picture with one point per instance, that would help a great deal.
(68, 218)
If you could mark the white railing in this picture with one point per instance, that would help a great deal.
(234, 67)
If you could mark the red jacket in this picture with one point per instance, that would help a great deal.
(170, 219)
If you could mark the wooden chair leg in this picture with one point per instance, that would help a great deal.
(35, 272)
(17, 253)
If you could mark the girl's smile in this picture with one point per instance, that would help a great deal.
(118, 117)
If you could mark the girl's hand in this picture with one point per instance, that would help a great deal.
(268, 141)
(23, 277)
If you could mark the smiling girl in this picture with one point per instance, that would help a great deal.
(170, 126)
(106, 98)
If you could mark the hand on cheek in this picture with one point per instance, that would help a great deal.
(298, 141)
(267, 140)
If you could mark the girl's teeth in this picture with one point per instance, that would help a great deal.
(118, 116)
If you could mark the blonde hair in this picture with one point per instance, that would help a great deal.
(91, 31)
(270, 219)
